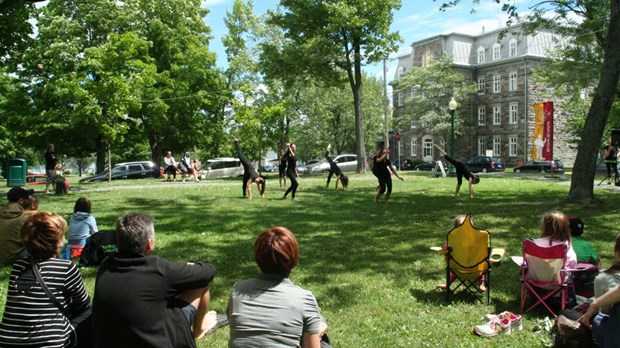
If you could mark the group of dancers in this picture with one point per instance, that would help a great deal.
(381, 167)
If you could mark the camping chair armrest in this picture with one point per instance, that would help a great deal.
(497, 254)
(439, 250)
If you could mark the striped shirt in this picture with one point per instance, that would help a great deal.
(30, 318)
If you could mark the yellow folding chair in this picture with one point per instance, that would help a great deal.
(468, 259)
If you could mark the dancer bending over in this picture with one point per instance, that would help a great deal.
(383, 170)
(249, 173)
(334, 169)
(461, 171)
(291, 170)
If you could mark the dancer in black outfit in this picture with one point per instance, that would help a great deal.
(282, 168)
(249, 173)
(383, 170)
(334, 169)
(461, 171)
(291, 170)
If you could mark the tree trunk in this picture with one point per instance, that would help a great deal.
(155, 145)
(582, 182)
(101, 149)
(355, 80)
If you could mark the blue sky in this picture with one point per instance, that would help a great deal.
(416, 20)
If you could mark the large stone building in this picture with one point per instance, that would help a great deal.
(499, 120)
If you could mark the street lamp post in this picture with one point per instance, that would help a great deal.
(452, 107)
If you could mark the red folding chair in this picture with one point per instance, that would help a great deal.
(543, 275)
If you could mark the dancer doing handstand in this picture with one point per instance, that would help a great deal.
(334, 169)
(461, 171)
(249, 173)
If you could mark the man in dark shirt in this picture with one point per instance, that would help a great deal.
(50, 165)
(147, 301)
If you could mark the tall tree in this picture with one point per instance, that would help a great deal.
(430, 90)
(54, 68)
(179, 110)
(599, 20)
(15, 27)
(325, 38)
(327, 117)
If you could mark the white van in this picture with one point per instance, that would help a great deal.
(221, 167)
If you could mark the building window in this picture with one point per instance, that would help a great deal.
(414, 124)
(497, 114)
(481, 57)
(481, 86)
(401, 71)
(497, 84)
(414, 147)
(512, 81)
(514, 113)
(482, 146)
(497, 146)
(482, 115)
(428, 148)
(512, 48)
(512, 146)
(496, 51)
(400, 98)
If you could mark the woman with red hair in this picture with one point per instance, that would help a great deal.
(31, 318)
(270, 310)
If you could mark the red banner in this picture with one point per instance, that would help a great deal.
(542, 143)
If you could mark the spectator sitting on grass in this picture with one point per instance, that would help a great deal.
(59, 178)
(270, 310)
(12, 217)
(31, 318)
(143, 300)
(82, 225)
(584, 249)
(556, 230)
(609, 278)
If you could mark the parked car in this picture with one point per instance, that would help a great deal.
(403, 164)
(311, 164)
(485, 164)
(128, 170)
(301, 168)
(35, 179)
(430, 165)
(222, 167)
(555, 166)
(267, 168)
(346, 162)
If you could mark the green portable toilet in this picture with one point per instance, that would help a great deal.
(16, 172)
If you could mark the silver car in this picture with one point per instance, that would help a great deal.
(222, 167)
(346, 162)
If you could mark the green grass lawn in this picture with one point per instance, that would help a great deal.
(369, 265)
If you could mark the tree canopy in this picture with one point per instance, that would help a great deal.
(326, 38)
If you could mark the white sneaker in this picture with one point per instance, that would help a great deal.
(493, 328)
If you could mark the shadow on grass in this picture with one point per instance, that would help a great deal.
(345, 236)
